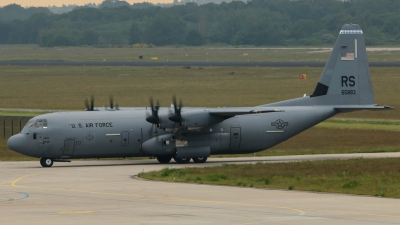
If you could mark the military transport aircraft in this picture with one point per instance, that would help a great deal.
(196, 133)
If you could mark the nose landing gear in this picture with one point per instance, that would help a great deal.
(46, 162)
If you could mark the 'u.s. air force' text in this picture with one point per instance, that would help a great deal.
(91, 125)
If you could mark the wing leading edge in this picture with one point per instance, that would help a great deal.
(245, 111)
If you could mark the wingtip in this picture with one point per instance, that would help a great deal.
(387, 107)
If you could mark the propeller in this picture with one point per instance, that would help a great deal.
(91, 106)
(153, 118)
(177, 116)
(112, 104)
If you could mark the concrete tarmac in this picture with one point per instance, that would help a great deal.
(107, 192)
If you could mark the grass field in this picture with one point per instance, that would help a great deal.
(185, 54)
(376, 177)
(67, 87)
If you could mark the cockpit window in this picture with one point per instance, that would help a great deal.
(30, 124)
(39, 123)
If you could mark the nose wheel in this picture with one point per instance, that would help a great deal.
(46, 162)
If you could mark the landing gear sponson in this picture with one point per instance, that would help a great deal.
(47, 162)
(167, 159)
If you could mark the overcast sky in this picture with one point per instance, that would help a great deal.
(27, 3)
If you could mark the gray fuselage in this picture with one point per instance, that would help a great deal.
(100, 134)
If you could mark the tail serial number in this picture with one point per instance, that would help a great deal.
(348, 92)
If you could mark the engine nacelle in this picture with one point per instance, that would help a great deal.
(191, 120)
(160, 145)
(165, 123)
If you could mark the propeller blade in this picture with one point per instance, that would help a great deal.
(153, 118)
(92, 103)
(111, 102)
(89, 107)
(176, 117)
(174, 102)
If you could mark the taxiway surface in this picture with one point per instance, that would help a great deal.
(106, 192)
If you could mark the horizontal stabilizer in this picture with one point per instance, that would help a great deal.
(236, 112)
(350, 108)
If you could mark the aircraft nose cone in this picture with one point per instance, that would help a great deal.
(16, 143)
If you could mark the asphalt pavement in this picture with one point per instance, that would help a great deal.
(108, 192)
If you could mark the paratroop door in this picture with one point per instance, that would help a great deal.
(235, 138)
(69, 146)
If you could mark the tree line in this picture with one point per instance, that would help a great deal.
(256, 22)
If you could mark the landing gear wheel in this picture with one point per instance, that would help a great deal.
(46, 162)
(199, 159)
(164, 159)
(182, 160)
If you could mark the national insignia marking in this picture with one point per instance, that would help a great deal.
(280, 124)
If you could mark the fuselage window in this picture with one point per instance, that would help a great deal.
(34, 136)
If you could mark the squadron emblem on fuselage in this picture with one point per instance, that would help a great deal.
(89, 135)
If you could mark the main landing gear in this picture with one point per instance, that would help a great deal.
(199, 159)
(164, 159)
(46, 162)
(167, 159)
(182, 160)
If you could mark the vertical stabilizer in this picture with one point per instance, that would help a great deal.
(346, 78)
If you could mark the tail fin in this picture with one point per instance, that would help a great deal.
(346, 78)
(345, 82)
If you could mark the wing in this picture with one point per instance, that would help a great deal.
(230, 112)
(350, 108)
(203, 117)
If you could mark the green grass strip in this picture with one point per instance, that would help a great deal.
(375, 177)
